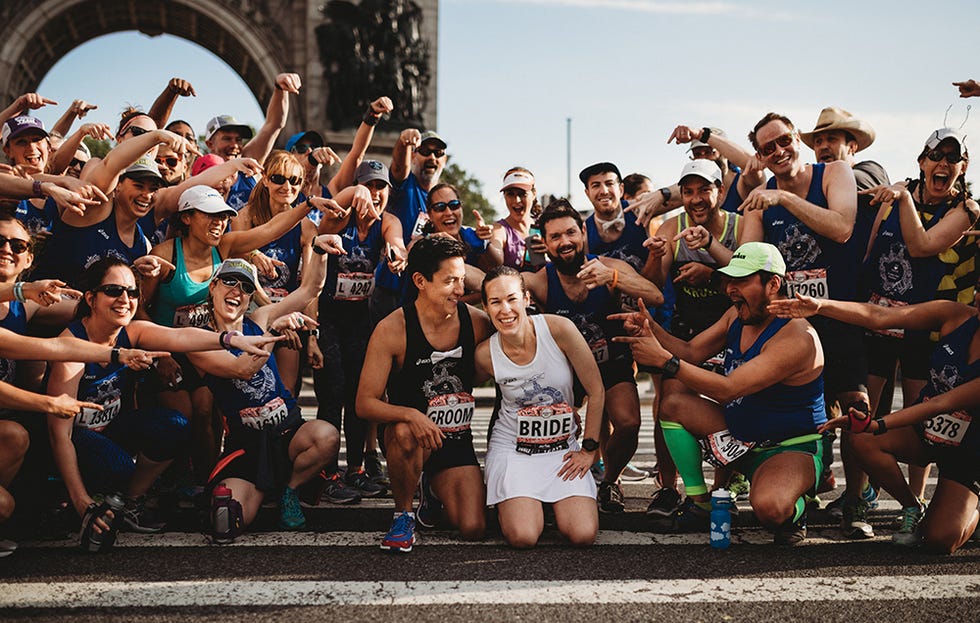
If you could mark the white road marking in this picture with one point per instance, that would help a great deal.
(754, 536)
(314, 593)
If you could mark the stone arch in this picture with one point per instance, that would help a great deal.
(243, 33)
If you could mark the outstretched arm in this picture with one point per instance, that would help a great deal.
(275, 117)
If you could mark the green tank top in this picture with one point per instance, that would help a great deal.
(182, 302)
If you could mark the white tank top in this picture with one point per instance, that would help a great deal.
(536, 398)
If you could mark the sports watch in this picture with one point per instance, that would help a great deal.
(590, 445)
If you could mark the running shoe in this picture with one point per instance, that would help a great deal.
(311, 491)
(836, 508)
(908, 532)
(430, 508)
(376, 469)
(401, 535)
(899, 518)
(610, 498)
(137, 519)
(598, 471)
(290, 514)
(336, 492)
(632, 473)
(854, 520)
(664, 503)
(690, 517)
(738, 486)
(361, 483)
(7, 547)
(791, 533)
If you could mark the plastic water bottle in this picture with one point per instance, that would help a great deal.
(94, 542)
(226, 515)
(721, 519)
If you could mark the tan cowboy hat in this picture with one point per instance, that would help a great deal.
(832, 118)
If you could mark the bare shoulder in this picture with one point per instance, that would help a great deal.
(481, 323)
(390, 332)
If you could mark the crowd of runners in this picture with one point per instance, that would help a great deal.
(160, 305)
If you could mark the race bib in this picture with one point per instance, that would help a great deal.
(544, 428)
(98, 420)
(812, 283)
(452, 413)
(719, 449)
(192, 315)
(272, 413)
(277, 294)
(420, 222)
(947, 429)
(354, 286)
(629, 303)
(882, 301)
(715, 364)
(600, 350)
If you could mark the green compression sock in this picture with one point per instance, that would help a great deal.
(686, 452)
(800, 507)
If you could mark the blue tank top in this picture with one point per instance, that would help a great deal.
(240, 191)
(111, 386)
(628, 247)
(37, 219)
(256, 404)
(732, 198)
(476, 246)
(357, 265)
(805, 250)
(156, 233)
(891, 273)
(949, 367)
(70, 250)
(286, 249)
(777, 412)
(589, 317)
(16, 321)
(314, 215)
(407, 202)
(183, 302)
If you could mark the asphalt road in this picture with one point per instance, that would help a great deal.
(639, 571)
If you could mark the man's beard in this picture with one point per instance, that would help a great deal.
(569, 267)
(757, 315)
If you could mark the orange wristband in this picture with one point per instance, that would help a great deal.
(615, 279)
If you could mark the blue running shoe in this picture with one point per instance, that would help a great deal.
(401, 535)
(291, 516)
(430, 508)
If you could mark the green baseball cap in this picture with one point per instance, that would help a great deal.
(752, 257)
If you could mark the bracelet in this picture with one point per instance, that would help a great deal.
(882, 428)
(36, 190)
(711, 239)
(615, 279)
(19, 292)
(315, 333)
(274, 332)
(252, 253)
(318, 250)
(705, 135)
(114, 356)
(370, 118)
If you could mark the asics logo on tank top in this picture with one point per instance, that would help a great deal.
(104, 233)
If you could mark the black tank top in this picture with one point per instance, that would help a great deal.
(420, 379)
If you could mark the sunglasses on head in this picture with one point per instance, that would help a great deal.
(936, 155)
(784, 141)
(169, 161)
(17, 245)
(135, 130)
(115, 291)
(425, 152)
(233, 282)
(276, 178)
(442, 206)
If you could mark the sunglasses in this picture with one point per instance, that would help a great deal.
(169, 161)
(232, 282)
(302, 148)
(442, 206)
(135, 130)
(277, 179)
(115, 291)
(76, 163)
(17, 245)
(937, 155)
(425, 152)
(784, 141)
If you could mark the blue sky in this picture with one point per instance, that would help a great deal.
(625, 71)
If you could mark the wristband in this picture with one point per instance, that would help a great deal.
(858, 424)
(36, 191)
(274, 333)
(114, 356)
(19, 292)
(615, 279)
(881, 426)
(710, 240)
(705, 135)
(370, 118)
(318, 250)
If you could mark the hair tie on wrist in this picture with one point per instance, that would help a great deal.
(615, 279)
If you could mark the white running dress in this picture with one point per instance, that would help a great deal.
(536, 426)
